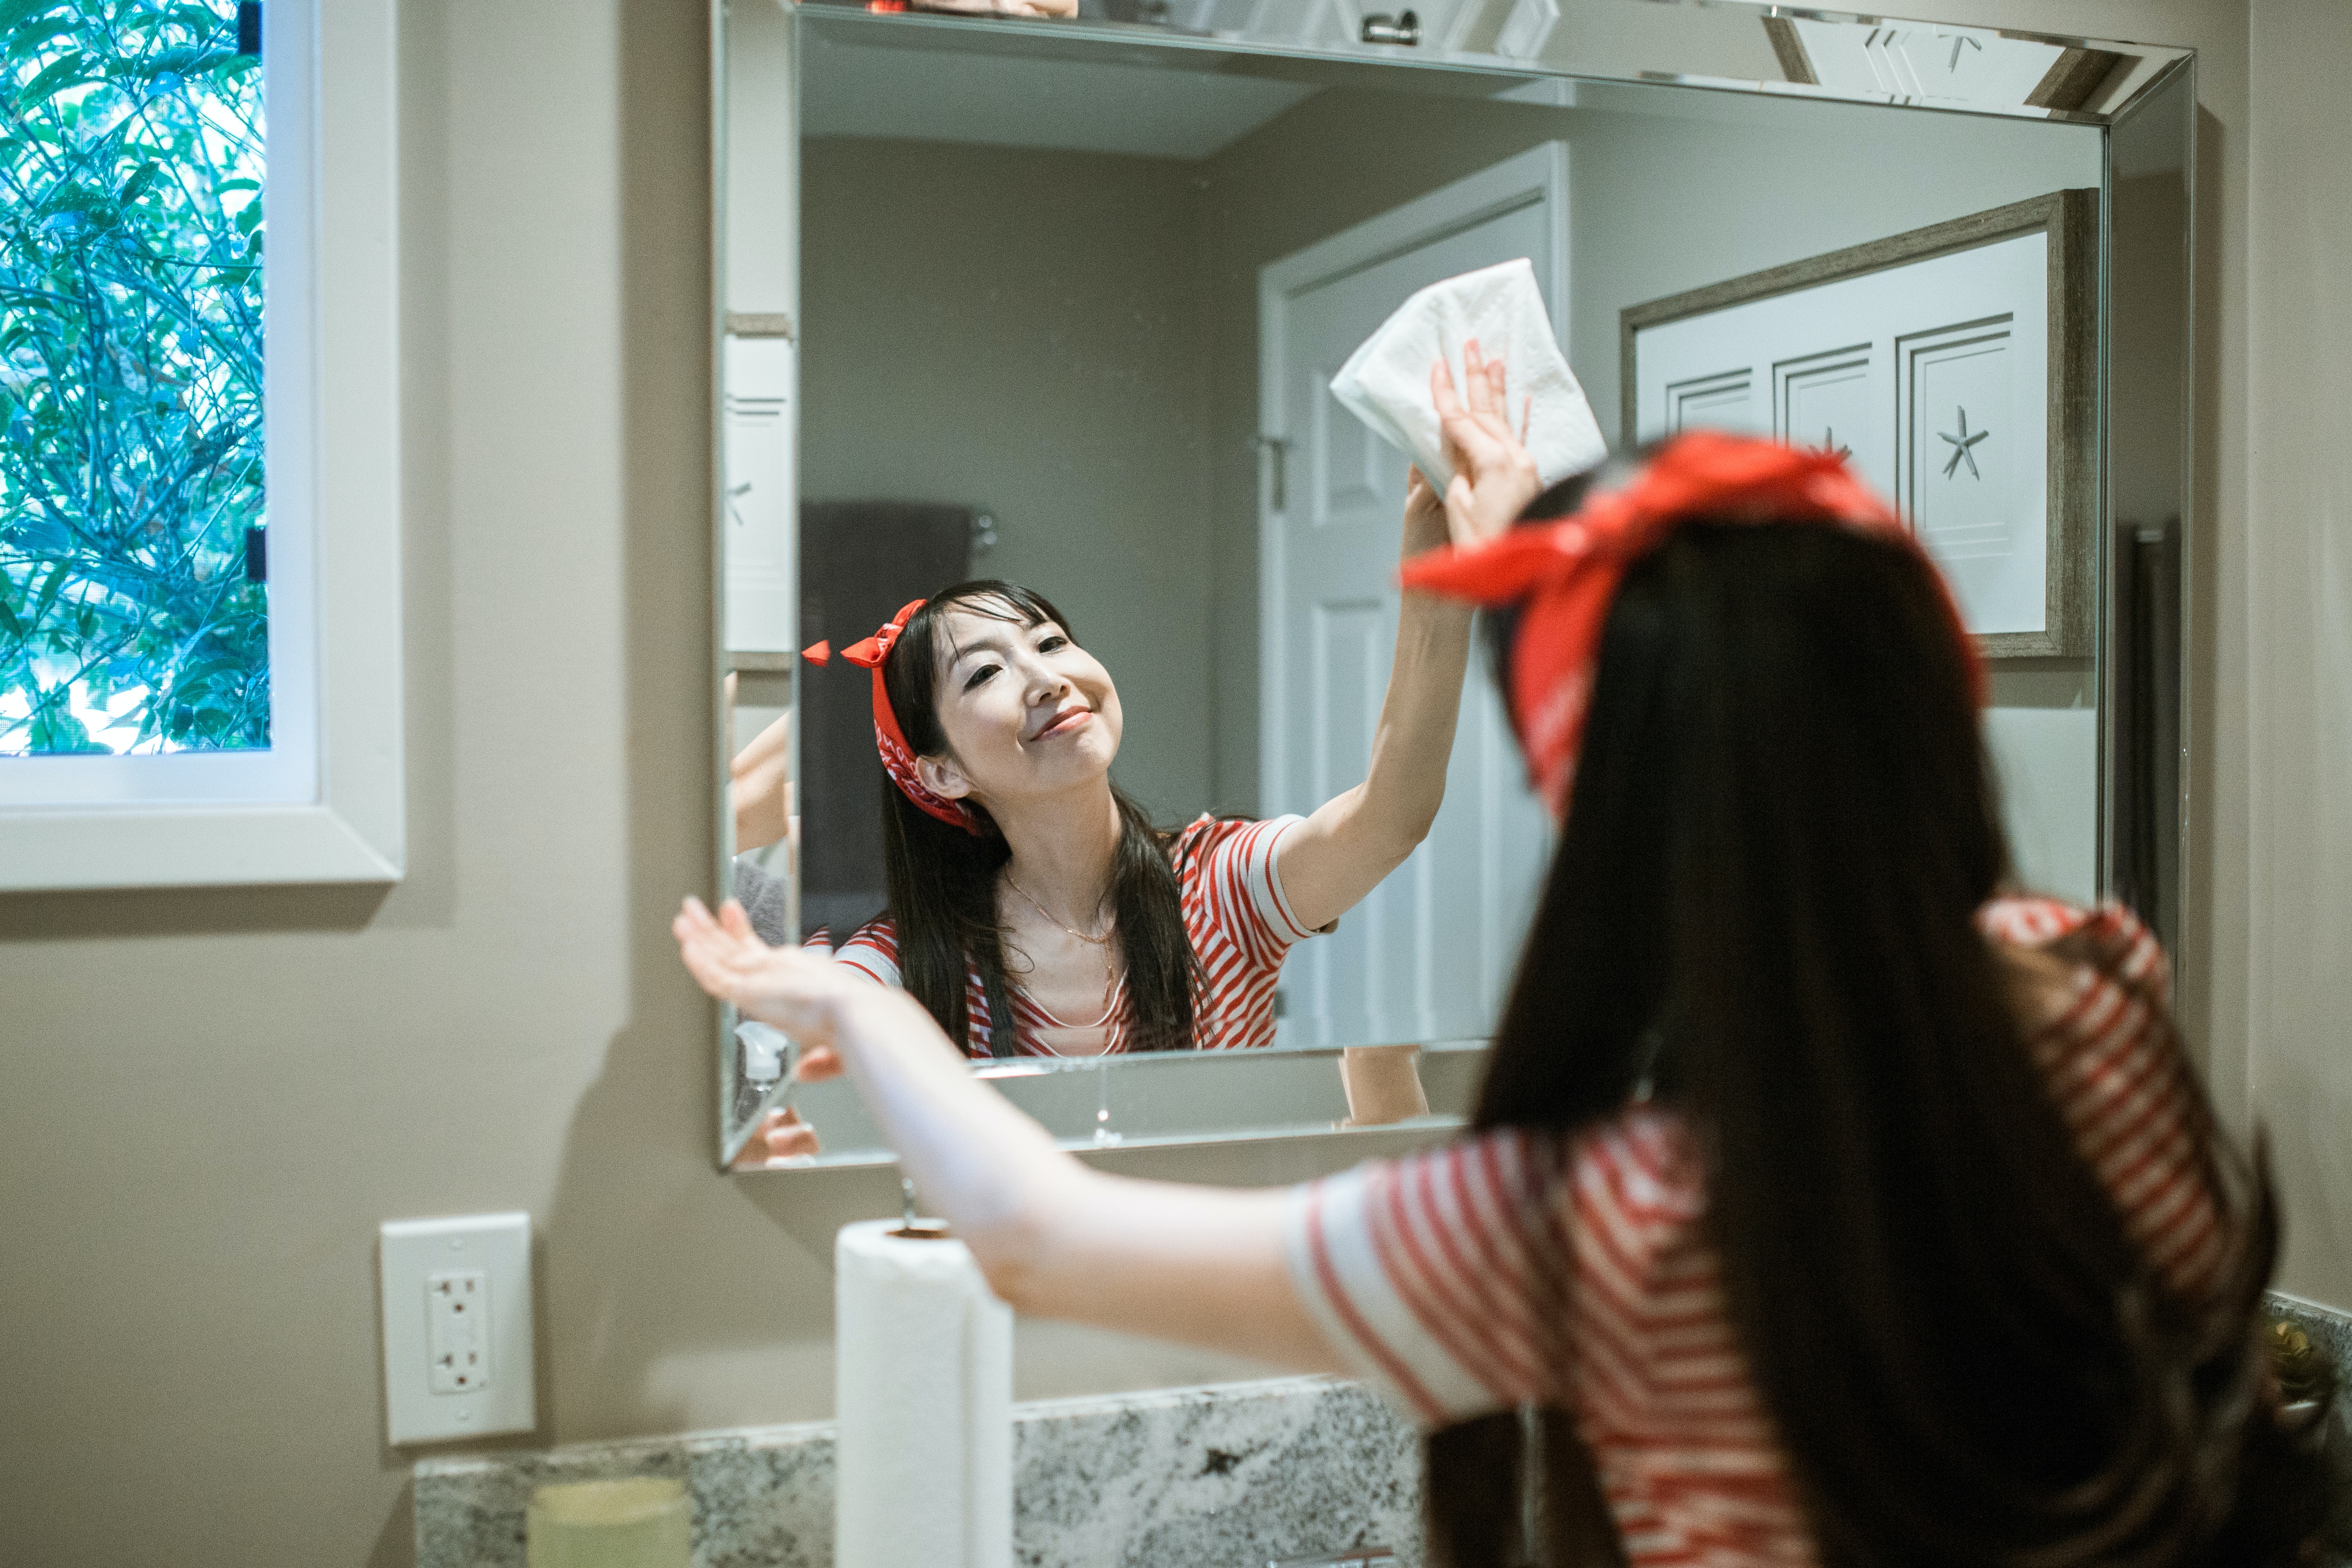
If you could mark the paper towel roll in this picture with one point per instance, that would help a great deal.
(923, 1403)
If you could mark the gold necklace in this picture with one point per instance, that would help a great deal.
(1030, 899)
(1055, 1020)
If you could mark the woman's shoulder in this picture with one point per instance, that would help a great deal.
(2065, 950)
(881, 932)
(2107, 930)
(1231, 882)
(873, 948)
(2097, 983)
(1210, 837)
(1642, 1165)
(1206, 830)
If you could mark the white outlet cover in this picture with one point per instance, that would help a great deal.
(415, 1254)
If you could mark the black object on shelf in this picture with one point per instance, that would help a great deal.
(859, 561)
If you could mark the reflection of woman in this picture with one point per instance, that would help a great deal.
(1033, 907)
(1828, 1207)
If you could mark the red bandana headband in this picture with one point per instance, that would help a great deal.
(1565, 575)
(898, 758)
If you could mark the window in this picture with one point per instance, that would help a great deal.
(133, 543)
(199, 564)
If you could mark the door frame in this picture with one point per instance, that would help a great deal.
(1537, 175)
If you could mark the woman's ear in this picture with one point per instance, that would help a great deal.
(942, 777)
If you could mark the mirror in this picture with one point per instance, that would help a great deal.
(1058, 301)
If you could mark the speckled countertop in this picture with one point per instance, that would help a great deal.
(1237, 1473)
(1234, 1475)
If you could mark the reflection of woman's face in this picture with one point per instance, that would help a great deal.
(1026, 711)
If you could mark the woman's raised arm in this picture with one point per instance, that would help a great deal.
(1200, 1265)
(1355, 839)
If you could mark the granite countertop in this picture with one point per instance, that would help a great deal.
(1237, 1474)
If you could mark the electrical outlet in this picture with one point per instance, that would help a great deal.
(456, 1305)
(456, 1327)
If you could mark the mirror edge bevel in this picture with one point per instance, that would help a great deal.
(730, 1140)
(1114, 34)
(2173, 93)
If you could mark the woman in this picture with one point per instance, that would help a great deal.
(1033, 908)
(1824, 1206)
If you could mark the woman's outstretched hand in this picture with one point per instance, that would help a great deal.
(780, 1137)
(1202, 1265)
(1425, 527)
(1495, 476)
(805, 997)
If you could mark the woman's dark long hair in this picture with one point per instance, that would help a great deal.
(942, 881)
(1763, 904)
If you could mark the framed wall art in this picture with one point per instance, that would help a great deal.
(1956, 365)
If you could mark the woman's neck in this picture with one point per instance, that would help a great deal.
(1063, 850)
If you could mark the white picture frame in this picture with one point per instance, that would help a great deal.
(1868, 331)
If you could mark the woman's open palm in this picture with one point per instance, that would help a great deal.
(796, 991)
(1495, 475)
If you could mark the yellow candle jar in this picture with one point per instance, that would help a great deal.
(639, 1521)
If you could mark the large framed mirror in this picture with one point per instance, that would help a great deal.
(1058, 301)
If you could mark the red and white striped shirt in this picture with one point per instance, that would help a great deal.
(1421, 1269)
(1234, 911)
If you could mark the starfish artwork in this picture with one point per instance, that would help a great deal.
(1830, 443)
(1964, 448)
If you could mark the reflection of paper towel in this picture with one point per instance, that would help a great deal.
(923, 1403)
(1385, 383)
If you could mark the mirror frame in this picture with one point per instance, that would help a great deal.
(2144, 102)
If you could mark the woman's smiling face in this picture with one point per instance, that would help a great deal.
(1026, 711)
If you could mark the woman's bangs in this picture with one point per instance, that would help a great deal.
(1007, 602)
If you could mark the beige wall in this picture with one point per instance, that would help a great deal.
(1020, 330)
(2297, 653)
(211, 1099)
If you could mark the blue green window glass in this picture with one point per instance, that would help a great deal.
(133, 606)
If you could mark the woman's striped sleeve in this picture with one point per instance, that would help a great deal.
(1235, 879)
(1418, 1272)
(2124, 1084)
(873, 951)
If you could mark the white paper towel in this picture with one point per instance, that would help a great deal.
(923, 1403)
(1385, 383)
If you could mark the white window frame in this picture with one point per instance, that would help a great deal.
(324, 804)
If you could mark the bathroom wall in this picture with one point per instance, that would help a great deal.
(212, 1098)
(1020, 330)
(2295, 609)
(1657, 205)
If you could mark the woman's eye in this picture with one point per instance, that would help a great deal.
(980, 675)
(1054, 644)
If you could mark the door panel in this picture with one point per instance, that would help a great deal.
(1427, 955)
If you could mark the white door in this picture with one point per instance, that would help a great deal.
(1430, 953)
(762, 606)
